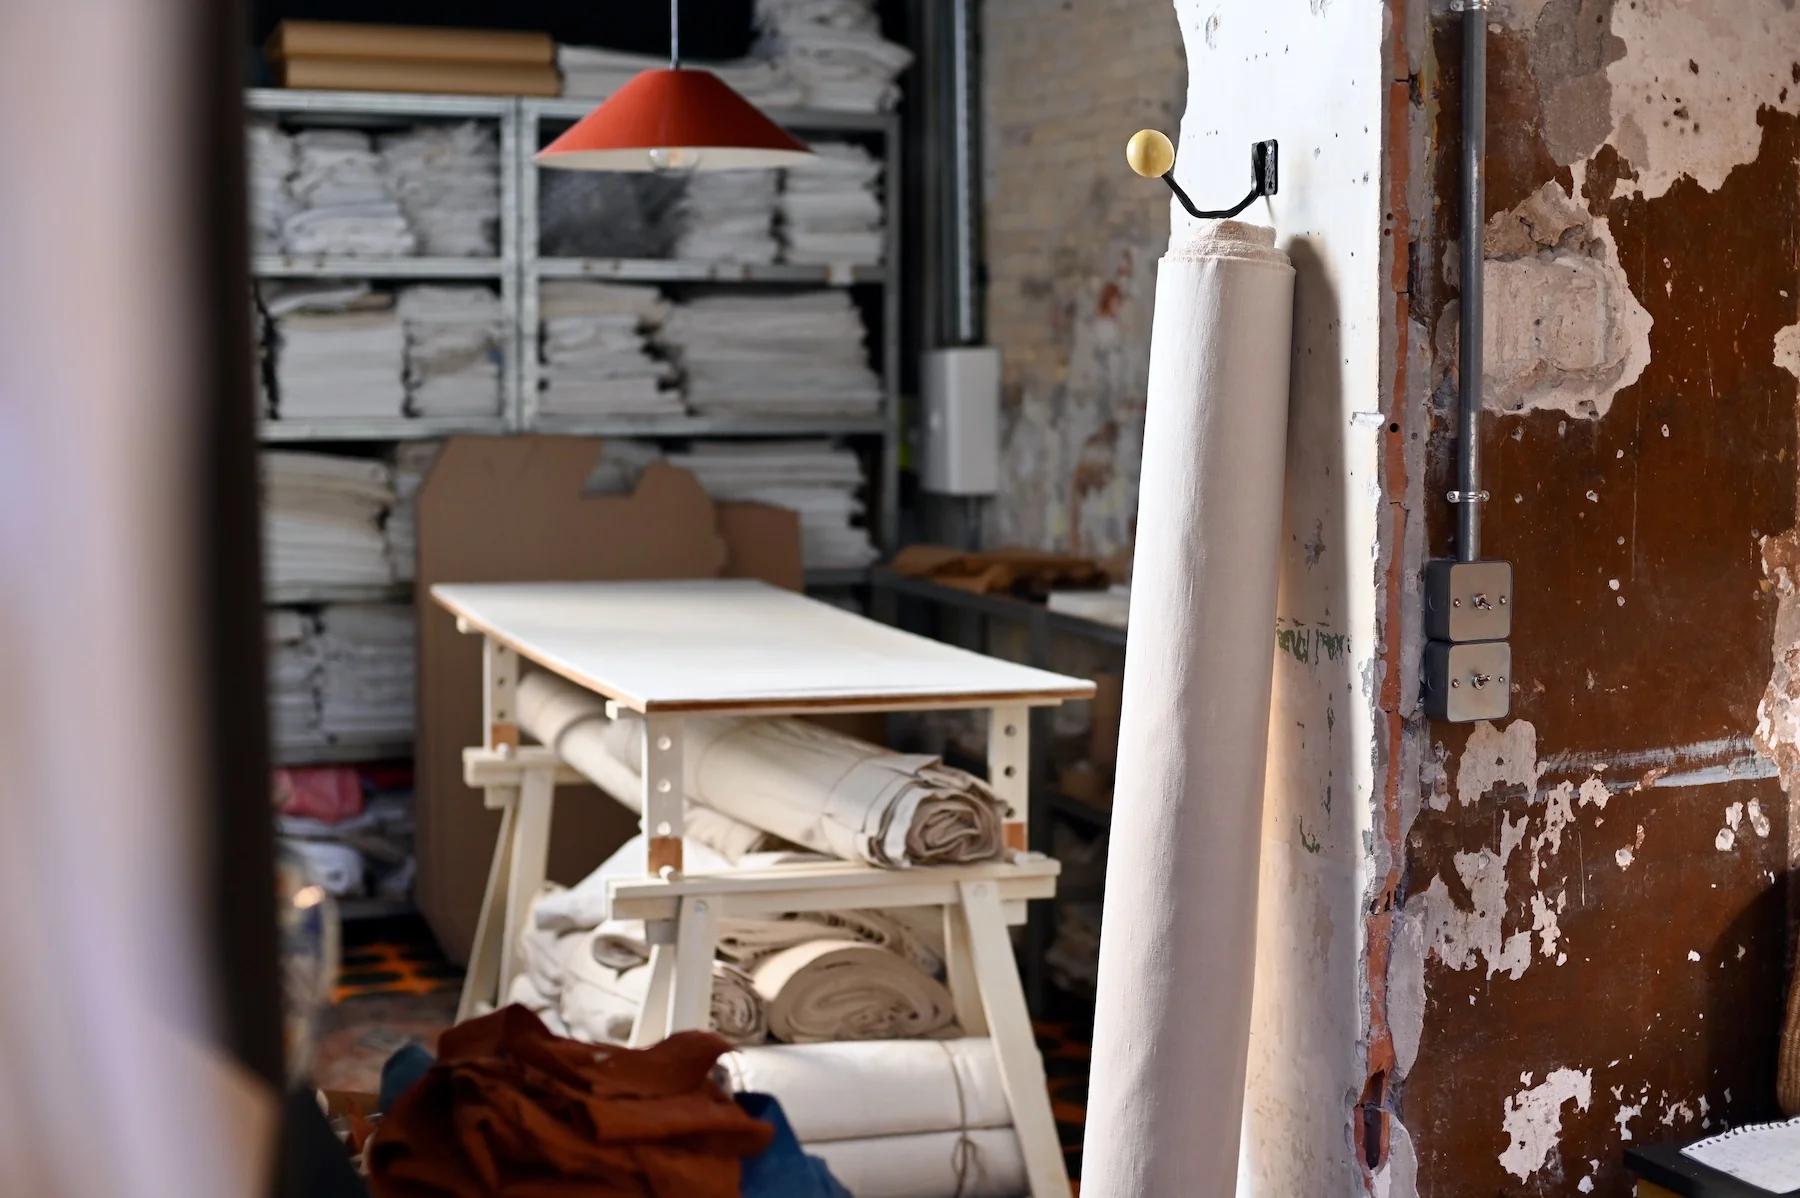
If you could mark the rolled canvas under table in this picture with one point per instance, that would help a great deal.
(667, 650)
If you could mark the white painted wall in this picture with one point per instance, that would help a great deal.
(1309, 73)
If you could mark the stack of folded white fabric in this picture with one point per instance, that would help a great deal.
(830, 211)
(784, 355)
(818, 480)
(340, 352)
(293, 678)
(347, 203)
(894, 1118)
(799, 782)
(835, 50)
(366, 680)
(447, 179)
(322, 521)
(270, 162)
(846, 975)
(412, 461)
(452, 350)
(727, 216)
(596, 72)
(596, 351)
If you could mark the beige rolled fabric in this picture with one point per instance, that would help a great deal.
(847, 990)
(744, 942)
(574, 723)
(1178, 940)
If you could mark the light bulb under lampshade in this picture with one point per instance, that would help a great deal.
(674, 120)
(1149, 153)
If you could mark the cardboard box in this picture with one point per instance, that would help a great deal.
(496, 509)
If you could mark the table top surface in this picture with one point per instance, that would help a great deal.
(737, 646)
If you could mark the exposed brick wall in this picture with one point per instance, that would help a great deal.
(1072, 243)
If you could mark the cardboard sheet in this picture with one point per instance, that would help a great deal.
(496, 509)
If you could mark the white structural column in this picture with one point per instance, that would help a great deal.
(1178, 939)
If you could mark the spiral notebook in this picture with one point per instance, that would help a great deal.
(1765, 1155)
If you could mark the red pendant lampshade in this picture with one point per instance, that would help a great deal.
(675, 119)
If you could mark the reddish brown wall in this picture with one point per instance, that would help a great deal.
(1593, 891)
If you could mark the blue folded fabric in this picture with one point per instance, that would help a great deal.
(406, 1066)
(783, 1170)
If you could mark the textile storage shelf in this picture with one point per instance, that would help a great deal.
(447, 165)
(704, 241)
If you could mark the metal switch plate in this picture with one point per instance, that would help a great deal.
(1468, 682)
(1468, 601)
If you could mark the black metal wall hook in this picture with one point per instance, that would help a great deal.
(1149, 152)
(1265, 180)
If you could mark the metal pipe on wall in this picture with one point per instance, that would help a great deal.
(1469, 364)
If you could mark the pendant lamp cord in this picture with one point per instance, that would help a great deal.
(674, 35)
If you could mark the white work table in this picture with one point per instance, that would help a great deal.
(671, 649)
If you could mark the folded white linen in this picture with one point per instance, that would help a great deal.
(344, 201)
(816, 479)
(574, 723)
(452, 336)
(595, 350)
(728, 216)
(447, 180)
(594, 71)
(830, 211)
(800, 352)
(321, 520)
(862, 1089)
(977, 1164)
(366, 683)
(834, 50)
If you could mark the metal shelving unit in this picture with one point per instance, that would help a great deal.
(880, 433)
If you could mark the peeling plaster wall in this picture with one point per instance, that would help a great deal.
(1591, 921)
(1261, 71)
(1072, 239)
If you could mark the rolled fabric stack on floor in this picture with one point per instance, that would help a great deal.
(347, 205)
(596, 350)
(322, 521)
(596, 72)
(774, 355)
(818, 480)
(340, 351)
(452, 337)
(366, 684)
(834, 50)
(894, 1118)
(727, 216)
(293, 665)
(447, 179)
(830, 209)
(412, 461)
(270, 162)
(851, 975)
(801, 782)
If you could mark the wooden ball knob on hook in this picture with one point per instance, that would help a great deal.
(1150, 153)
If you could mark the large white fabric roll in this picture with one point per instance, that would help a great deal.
(862, 1089)
(974, 1164)
(1178, 941)
(847, 990)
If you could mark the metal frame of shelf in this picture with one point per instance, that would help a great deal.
(534, 114)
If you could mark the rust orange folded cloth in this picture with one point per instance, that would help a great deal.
(511, 1111)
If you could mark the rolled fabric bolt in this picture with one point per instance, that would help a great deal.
(848, 990)
(1178, 940)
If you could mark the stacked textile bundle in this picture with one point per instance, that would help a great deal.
(322, 521)
(351, 825)
(596, 72)
(596, 351)
(270, 162)
(293, 665)
(412, 461)
(452, 350)
(896, 1118)
(846, 975)
(366, 685)
(818, 480)
(447, 179)
(830, 211)
(727, 216)
(834, 50)
(785, 355)
(340, 351)
(347, 203)
(799, 782)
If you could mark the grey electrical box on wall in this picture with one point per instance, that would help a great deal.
(1468, 662)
